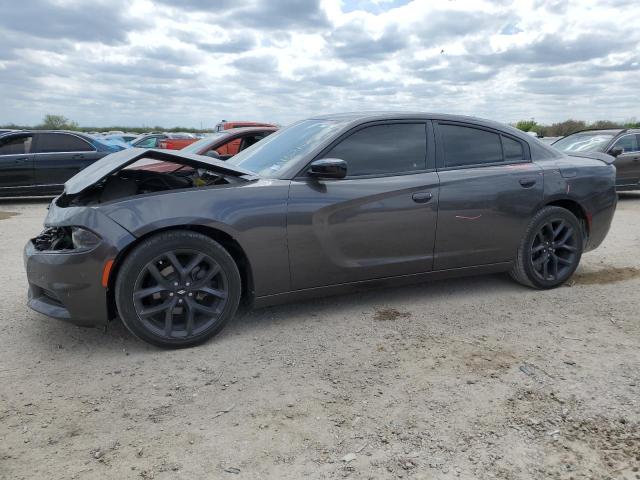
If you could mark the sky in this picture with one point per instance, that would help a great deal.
(194, 62)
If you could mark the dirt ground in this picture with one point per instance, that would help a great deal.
(473, 378)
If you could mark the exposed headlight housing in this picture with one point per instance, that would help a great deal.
(83, 239)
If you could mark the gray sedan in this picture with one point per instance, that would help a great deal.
(328, 205)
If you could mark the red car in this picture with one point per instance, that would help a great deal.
(176, 143)
(227, 125)
(222, 145)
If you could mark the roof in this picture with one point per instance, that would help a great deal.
(391, 115)
(233, 131)
(52, 131)
(360, 117)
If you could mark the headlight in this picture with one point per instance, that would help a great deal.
(83, 239)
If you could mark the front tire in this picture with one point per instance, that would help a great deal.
(550, 250)
(177, 289)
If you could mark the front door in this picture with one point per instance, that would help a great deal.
(628, 162)
(377, 222)
(59, 156)
(489, 190)
(16, 162)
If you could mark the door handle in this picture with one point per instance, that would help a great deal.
(77, 156)
(421, 197)
(528, 182)
(21, 160)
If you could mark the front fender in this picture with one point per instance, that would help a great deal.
(253, 214)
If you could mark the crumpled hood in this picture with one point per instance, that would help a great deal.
(116, 161)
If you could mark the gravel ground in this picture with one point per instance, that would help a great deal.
(470, 378)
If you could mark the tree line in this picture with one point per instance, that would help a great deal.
(60, 122)
(561, 129)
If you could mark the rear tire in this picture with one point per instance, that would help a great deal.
(550, 250)
(177, 289)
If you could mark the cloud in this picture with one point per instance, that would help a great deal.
(555, 49)
(196, 61)
(352, 42)
(281, 15)
(104, 21)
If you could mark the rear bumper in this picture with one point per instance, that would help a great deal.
(68, 285)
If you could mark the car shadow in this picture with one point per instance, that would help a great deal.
(27, 200)
(50, 334)
(628, 196)
(372, 300)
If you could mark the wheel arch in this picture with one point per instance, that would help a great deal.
(223, 238)
(577, 209)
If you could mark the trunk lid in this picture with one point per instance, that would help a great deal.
(603, 157)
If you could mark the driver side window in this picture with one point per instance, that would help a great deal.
(15, 145)
(384, 149)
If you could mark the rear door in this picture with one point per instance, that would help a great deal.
(377, 222)
(59, 156)
(628, 162)
(16, 162)
(489, 190)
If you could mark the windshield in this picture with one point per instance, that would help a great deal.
(584, 142)
(269, 157)
(195, 147)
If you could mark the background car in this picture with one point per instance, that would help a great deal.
(173, 143)
(148, 140)
(40, 162)
(123, 138)
(227, 125)
(226, 144)
(222, 146)
(324, 206)
(624, 144)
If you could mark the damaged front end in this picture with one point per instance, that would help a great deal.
(69, 264)
(134, 172)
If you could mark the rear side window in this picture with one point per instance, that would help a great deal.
(61, 142)
(513, 151)
(15, 145)
(384, 149)
(469, 146)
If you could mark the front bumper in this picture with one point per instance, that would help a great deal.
(68, 284)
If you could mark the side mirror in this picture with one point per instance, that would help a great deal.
(328, 168)
(616, 151)
(213, 154)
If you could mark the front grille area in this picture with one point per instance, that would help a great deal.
(53, 238)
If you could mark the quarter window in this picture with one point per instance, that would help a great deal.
(512, 149)
(15, 145)
(469, 146)
(61, 142)
(384, 149)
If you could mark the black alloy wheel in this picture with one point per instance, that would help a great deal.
(180, 293)
(550, 250)
(554, 249)
(177, 289)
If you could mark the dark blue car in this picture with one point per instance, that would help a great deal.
(40, 162)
